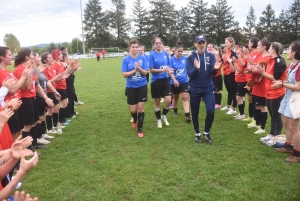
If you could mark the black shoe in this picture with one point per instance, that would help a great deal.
(38, 146)
(208, 139)
(188, 119)
(198, 138)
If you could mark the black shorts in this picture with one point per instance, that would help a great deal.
(136, 95)
(29, 111)
(15, 122)
(63, 93)
(259, 101)
(41, 106)
(98, 58)
(52, 97)
(249, 91)
(240, 89)
(218, 83)
(182, 88)
(161, 88)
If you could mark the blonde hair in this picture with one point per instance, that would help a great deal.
(231, 40)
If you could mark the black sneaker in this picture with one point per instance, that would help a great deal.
(208, 139)
(198, 139)
(188, 119)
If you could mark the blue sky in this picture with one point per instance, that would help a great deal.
(34, 22)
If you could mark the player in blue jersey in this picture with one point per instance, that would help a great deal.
(179, 81)
(200, 68)
(135, 69)
(160, 86)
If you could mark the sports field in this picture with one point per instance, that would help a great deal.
(100, 157)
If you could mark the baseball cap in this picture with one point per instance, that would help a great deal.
(200, 37)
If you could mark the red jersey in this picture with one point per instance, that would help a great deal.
(259, 89)
(24, 93)
(6, 139)
(50, 73)
(59, 68)
(5, 75)
(97, 54)
(240, 77)
(226, 67)
(270, 91)
(255, 56)
(103, 52)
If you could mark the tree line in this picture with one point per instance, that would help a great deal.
(111, 28)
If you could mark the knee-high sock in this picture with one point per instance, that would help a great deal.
(141, 116)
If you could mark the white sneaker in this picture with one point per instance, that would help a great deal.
(235, 116)
(269, 142)
(131, 120)
(47, 136)
(241, 117)
(260, 131)
(164, 118)
(162, 100)
(79, 103)
(52, 131)
(159, 124)
(231, 111)
(267, 137)
(225, 108)
(43, 141)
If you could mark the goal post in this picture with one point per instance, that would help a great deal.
(108, 54)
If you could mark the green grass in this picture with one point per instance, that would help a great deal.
(100, 157)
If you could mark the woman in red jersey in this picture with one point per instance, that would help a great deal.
(15, 122)
(258, 90)
(291, 125)
(252, 58)
(239, 64)
(52, 77)
(24, 60)
(229, 75)
(61, 86)
(276, 70)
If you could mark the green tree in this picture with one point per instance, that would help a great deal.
(294, 11)
(284, 27)
(75, 46)
(267, 23)
(119, 24)
(11, 42)
(163, 21)
(221, 21)
(199, 17)
(140, 18)
(65, 44)
(95, 25)
(51, 47)
(183, 28)
(250, 23)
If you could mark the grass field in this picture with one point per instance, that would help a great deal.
(100, 157)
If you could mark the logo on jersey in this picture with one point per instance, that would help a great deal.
(179, 72)
(140, 62)
(278, 60)
(54, 71)
(136, 76)
(165, 57)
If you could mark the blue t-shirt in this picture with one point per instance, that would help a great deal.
(159, 61)
(137, 80)
(179, 66)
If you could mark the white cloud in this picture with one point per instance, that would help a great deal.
(34, 22)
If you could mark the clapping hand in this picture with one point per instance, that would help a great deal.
(196, 64)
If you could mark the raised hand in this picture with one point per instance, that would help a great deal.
(246, 51)
(16, 149)
(26, 142)
(5, 115)
(196, 64)
(42, 68)
(27, 165)
(8, 83)
(13, 104)
(21, 197)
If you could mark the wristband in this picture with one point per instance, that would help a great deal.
(282, 83)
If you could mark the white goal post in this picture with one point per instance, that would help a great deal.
(108, 54)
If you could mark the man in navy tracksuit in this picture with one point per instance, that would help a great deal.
(200, 68)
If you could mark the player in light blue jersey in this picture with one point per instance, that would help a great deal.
(135, 69)
(179, 81)
(160, 86)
